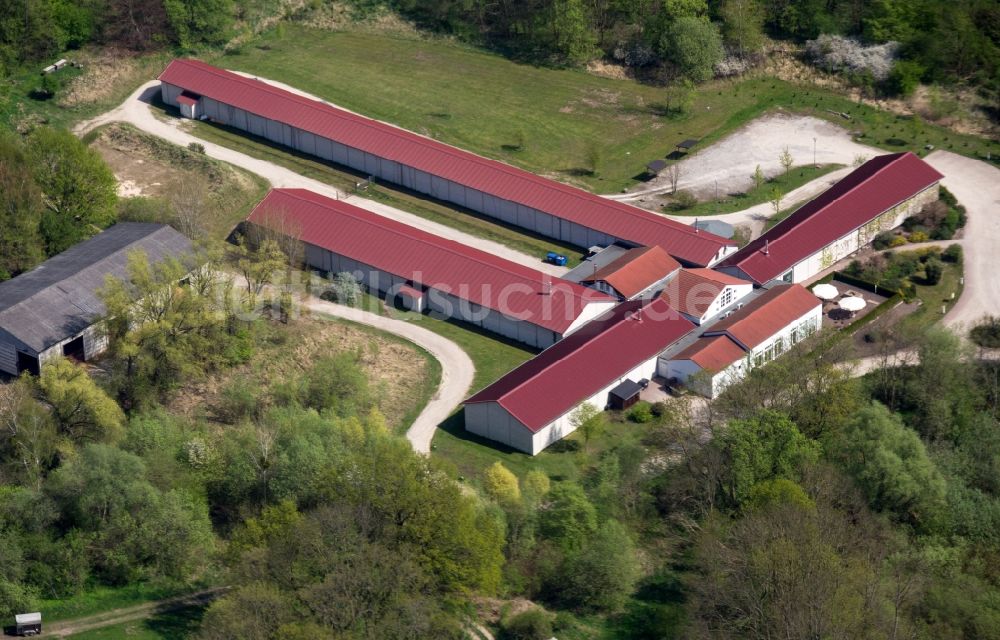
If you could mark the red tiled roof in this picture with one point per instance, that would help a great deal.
(766, 315)
(187, 98)
(489, 176)
(636, 270)
(578, 366)
(426, 259)
(411, 292)
(872, 189)
(693, 291)
(712, 354)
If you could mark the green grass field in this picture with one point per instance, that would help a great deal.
(100, 599)
(787, 182)
(553, 122)
(168, 625)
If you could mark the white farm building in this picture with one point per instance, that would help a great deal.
(388, 153)
(424, 272)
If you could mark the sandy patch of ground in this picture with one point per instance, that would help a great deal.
(728, 165)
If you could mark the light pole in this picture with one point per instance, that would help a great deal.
(814, 153)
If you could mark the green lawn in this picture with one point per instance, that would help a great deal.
(345, 179)
(788, 182)
(546, 120)
(168, 625)
(100, 599)
(933, 298)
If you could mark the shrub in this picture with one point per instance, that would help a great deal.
(987, 333)
(933, 271)
(883, 240)
(919, 236)
(683, 200)
(641, 413)
(659, 409)
(197, 147)
(904, 78)
(238, 400)
(839, 54)
(953, 254)
(897, 241)
(533, 624)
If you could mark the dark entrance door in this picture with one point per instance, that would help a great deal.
(74, 349)
(26, 362)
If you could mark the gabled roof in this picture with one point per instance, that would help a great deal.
(692, 291)
(765, 315)
(489, 176)
(580, 365)
(712, 354)
(58, 299)
(636, 270)
(870, 190)
(423, 258)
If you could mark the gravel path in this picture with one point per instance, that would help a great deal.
(136, 111)
(732, 160)
(976, 184)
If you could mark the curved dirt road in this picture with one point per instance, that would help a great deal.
(457, 369)
(136, 111)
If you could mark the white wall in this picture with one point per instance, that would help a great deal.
(739, 292)
(768, 350)
(490, 420)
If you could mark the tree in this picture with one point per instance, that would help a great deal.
(574, 40)
(28, 437)
(338, 383)
(81, 409)
(694, 46)
(196, 22)
(765, 447)
(786, 160)
(161, 331)
(21, 212)
(602, 575)
(758, 178)
(589, 420)
(674, 173)
(933, 270)
(742, 26)
(501, 485)
(258, 262)
(776, 196)
(79, 189)
(568, 518)
(890, 464)
(536, 485)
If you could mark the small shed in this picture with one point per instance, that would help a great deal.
(189, 104)
(624, 395)
(410, 298)
(686, 145)
(656, 166)
(28, 624)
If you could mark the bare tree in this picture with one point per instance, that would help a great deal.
(189, 206)
(775, 199)
(786, 159)
(674, 173)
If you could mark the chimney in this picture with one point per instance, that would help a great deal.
(696, 229)
(766, 250)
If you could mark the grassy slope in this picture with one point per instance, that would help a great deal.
(486, 104)
(169, 625)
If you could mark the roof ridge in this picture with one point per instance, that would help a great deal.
(575, 290)
(795, 223)
(627, 316)
(456, 152)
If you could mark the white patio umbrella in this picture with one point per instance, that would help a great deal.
(852, 304)
(825, 291)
